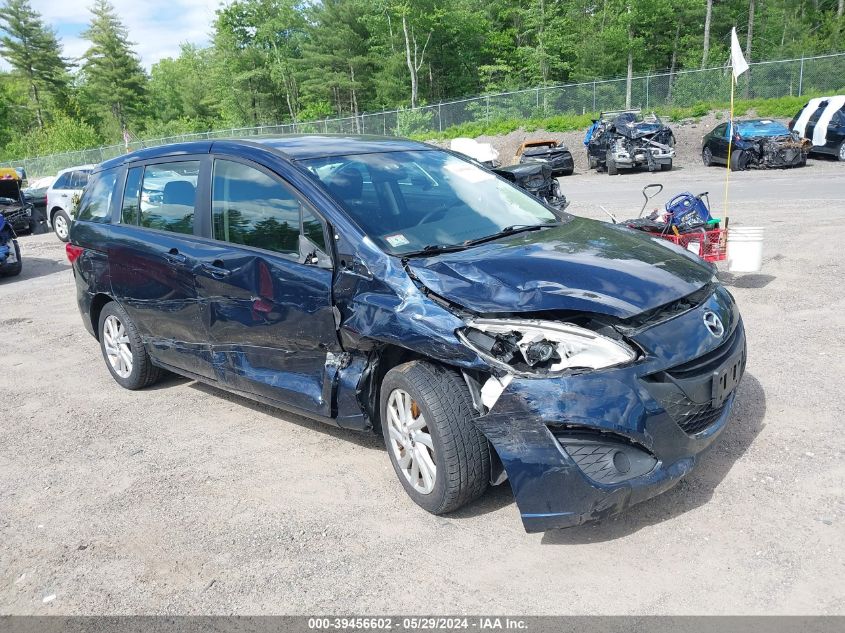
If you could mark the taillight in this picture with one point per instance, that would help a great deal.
(73, 252)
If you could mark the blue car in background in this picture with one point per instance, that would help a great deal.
(384, 284)
(756, 143)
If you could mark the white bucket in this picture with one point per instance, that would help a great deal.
(745, 249)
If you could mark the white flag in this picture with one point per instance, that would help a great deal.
(738, 63)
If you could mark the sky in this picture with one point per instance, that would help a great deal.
(156, 27)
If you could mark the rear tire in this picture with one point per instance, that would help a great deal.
(427, 408)
(840, 152)
(124, 352)
(61, 225)
(707, 157)
(14, 270)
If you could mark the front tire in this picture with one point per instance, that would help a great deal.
(739, 160)
(612, 169)
(61, 225)
(124, 352)
(666, 166)
(441, 458)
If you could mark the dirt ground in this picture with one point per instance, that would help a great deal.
(183, 499)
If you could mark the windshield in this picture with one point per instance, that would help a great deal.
(406, 201)
(761, 128)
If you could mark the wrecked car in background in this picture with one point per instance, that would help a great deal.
(822, 120)
(536, 179)
(10, 252)
(484, 153)
(548, 152)
(13, 205)
(756, 143)
(380, 283)
(625, 139)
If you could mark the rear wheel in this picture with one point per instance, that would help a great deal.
(126, 358)
(707, 156)
(840, 153)
(441, 458)
(61, 225)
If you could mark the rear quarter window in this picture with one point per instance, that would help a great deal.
(96, 201)
(62, 181)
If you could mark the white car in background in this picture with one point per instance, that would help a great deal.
(61, 205)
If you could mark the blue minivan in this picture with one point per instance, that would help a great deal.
(380, 283)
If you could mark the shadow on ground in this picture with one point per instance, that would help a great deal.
(34, 267)
(695, 490)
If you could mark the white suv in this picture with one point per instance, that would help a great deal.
(60, 197)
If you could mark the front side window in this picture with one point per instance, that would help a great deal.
(96, 201)
(408, 200)
(252, 208)
(168, 196)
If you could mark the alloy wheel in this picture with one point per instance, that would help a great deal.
(842, 151)
(61, 225)
(707, 156)
(117, 346)
(410, 441)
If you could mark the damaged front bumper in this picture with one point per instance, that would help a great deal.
(644, 156)
(583, 447)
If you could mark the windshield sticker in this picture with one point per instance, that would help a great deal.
(397, 240)
(468, 172)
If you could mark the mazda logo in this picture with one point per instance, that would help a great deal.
(714, 324)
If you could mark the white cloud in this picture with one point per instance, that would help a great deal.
(156, 27)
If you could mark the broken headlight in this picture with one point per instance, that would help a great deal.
(531, 347)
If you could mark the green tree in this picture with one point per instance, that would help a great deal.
(31, 48)
(113, 80)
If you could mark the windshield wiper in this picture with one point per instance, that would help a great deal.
(509, 230)
(434, 249)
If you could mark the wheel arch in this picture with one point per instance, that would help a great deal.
(98, 302)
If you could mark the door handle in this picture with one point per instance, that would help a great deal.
(216, 269)
(175, 257)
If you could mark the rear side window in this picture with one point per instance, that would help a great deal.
(131, 196)
(96, 201)
(78, 179)
(168, 196)
(251, 208)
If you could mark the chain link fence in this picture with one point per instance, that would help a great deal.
(766, 80)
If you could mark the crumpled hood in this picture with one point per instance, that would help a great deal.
(583, 265)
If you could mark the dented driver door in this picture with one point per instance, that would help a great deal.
(267, 284)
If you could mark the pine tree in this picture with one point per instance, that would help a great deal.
(31, 48)
(112, 73)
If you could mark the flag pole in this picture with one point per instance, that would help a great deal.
(730, 146)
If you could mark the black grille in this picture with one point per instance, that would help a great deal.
(687, 392)
(691, 417)
(709, 362)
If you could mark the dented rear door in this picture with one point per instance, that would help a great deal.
(270, 320)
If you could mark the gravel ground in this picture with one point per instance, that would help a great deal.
(184, 499)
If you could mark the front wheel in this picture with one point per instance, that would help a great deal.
(667, 166)
(612, 169)
(740, 160)
(441, 458)
(126, 358)
(61, 225)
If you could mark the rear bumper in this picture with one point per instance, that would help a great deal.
(640, 407)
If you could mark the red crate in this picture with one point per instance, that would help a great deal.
(712, 245)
